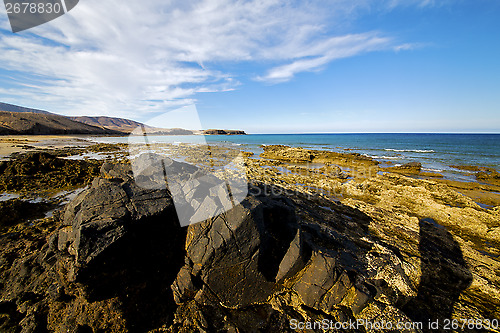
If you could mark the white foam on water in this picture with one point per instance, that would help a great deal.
(433, 170)
(411, 150)
(383, 157)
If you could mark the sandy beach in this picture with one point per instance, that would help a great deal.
(19, 143)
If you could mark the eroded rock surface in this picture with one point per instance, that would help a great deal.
(116, 260)
(333, 263)
(108, 267)
(301, 155)
(41, 171)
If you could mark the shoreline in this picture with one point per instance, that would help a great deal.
(483, 188)
(10, 144)
(437, 154)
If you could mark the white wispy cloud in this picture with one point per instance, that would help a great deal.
(134, 57)
(317, 56)
(420, 3)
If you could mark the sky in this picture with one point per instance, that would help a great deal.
(266, 66)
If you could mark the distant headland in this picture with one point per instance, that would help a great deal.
(223, 132)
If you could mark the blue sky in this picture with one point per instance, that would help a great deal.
(266, 66)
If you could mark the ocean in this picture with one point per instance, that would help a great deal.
(436, 152)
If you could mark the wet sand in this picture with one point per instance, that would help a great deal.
(19, 143)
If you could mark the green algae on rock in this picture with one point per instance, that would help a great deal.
(15, 211)
(45, 172)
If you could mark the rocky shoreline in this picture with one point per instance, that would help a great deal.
(322, 235)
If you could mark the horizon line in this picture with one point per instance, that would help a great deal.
(319, 133)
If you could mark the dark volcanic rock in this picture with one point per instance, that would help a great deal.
(109, 265)
(271, 260)
(123, 241)
(238, 254)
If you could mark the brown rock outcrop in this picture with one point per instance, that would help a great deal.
(301, 155)
(411, 168)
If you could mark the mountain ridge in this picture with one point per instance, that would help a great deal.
(113, 123)
(31, 123)
(17, 108)
(24, 120)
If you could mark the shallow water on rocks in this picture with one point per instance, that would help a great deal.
(8, 196)
(91, 155)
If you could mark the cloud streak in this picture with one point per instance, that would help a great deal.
(127, 58)
(327, 51)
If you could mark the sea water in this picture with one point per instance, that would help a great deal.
(436, 152)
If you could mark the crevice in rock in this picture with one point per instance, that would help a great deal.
(139, 269)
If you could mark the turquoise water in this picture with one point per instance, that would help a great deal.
(436, 152)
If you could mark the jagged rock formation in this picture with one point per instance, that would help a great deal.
(119, 261)
(108, 267)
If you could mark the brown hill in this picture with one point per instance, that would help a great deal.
(12, 123)
(127, 125)
(17, 108)
(170, 131)
(117, 124)
(16, 119)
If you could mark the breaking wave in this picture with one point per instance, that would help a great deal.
(384, 157)
(411, 150)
